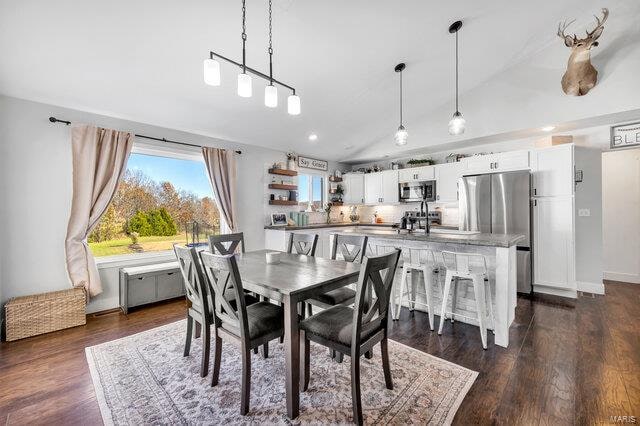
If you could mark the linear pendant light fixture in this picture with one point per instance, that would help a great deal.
(212, 72)
(402, 134)
(457, 123)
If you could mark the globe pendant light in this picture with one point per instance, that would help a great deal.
(457, 123)
(402, 134)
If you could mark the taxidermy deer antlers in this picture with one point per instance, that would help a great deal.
(581, 76)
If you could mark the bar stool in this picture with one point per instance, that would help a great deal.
(468, 266)
(422, 260)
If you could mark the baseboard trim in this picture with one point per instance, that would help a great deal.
(573, 294)
(595, 288)
(622, 277)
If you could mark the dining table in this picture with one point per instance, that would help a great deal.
(292, 280)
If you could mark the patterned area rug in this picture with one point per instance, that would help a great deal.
(144, 379)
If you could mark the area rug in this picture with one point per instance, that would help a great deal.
(144, 379)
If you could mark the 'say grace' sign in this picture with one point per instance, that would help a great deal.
(625, 135)
(311, 163)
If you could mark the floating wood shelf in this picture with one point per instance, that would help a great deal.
(283, 203)
(335, 179)
(283, 172)
(336, 203)
(283, 186)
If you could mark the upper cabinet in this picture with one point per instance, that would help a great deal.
(416, 173)
(552, 171)
(353, 188)
(447, 176)
(501, 162)
(381, 187)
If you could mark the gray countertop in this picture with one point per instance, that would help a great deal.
(492, 240)
(385, 225)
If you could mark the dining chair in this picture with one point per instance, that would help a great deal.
(199, 300)
(302, 244)
(355, 331)
(217, 243)
(352, 249)
(249, 326)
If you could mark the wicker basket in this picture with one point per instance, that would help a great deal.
(42, 313)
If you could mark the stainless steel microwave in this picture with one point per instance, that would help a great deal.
(417, 191)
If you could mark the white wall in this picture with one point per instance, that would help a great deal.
(35, 179)
(621, 201)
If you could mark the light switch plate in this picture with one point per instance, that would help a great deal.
(584, 212)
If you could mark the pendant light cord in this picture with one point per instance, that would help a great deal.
(400, 98)
(457, 72)
(270, 48)
(244, 37)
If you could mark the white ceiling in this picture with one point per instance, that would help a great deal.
(142, 60)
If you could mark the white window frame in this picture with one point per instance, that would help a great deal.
(173, 151)
(325, 186)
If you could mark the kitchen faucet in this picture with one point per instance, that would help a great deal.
(424, 205)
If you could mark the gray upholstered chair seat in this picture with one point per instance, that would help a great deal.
(335, 324)
(339, 296)
(263, 318)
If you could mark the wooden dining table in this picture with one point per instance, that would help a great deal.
(294, 279)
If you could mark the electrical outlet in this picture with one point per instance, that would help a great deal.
(584, 212)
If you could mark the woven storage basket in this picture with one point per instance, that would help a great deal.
(42, 313)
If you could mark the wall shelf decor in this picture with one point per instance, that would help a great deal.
(283, 172)
(282, 203)
(283, 187)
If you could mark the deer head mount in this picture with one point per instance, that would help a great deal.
(581, 76)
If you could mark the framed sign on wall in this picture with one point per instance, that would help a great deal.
(625, 135)
(310, 163)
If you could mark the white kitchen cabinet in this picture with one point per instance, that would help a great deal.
(417, 174)
(500, 162)
(381, 187)
(353, 188)
(553, 243)
(552, 171)
(372, 188)
(447, 176)
(390, 192)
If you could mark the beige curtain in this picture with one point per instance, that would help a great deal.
(221, 166)
(99, 160)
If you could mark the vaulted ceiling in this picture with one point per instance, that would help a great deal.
(142, 60)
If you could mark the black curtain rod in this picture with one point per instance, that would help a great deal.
(57, 120)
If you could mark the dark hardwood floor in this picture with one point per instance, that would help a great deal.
(569, 362)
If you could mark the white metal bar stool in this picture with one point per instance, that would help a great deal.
(468, 266)
(415, 260)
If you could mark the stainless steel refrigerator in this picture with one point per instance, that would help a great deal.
(499, 203)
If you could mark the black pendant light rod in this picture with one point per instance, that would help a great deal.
(270, 47)
(57, 120)
(399, 68)
(251, 70)
(454, 28)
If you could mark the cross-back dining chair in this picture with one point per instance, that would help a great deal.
(232, 241)
(355, 331)
(302, 244)
(200, 303)
(250, 326)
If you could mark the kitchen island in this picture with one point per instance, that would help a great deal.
(499, 251)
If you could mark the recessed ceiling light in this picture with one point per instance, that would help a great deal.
(313, 137)
(548, 128)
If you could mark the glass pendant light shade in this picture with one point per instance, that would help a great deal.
(401, 136)
(212, 72)
(293, 105)
(457, 124)
(244, 85)
(271, 96)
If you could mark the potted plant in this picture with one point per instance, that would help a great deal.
(421, 162)
(291, 161)
(339, 192)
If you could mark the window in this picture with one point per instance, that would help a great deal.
(311, 192)
(160, 201)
